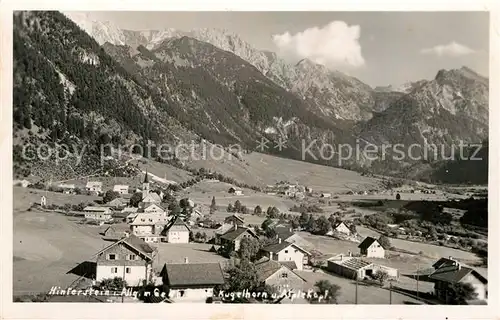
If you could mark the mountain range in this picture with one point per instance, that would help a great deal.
(211, 84)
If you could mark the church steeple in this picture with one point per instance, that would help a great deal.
(145, 186)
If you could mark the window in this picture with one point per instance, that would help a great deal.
(284, 275)
(286, 251)
(114, 270)
(112, 256)
(128, 270)
(132, 257)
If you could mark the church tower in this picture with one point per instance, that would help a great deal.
(145, 186)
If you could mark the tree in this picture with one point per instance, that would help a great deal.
(174, 208)
(384, 242)
(230, 208)
(265, 224)
(184, 203)
(433, 233)
(257, 210)
(135, 199)
(169, 198)
(249, 248)
(213, 206)
(295, 223)
(197, 236)
(237, 206)
(241, 277)
(273, 212)
(113, 284)
(459, 293)
(398, 196)
(328, 290)
(303, 220)
(322, 225)
(381, 276)
(110, 195)
(311, 224)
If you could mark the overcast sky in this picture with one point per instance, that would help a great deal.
(379, 48)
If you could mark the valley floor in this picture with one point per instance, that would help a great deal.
(48, 245)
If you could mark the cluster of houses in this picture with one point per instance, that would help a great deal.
(149, 221)
(295, 191)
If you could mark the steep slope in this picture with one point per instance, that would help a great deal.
(441, 113)
(227, 99)
(67, 90)
(331, 94)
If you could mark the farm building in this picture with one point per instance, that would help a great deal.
(284, 251)
(235, 191)
(94, 186)
(22, 183)
(191, 282)
(371, 248)
(67, 188)
(341, 227)
(232, 238)
(286, 234)
(116, 232)
(117, 203)
(98, 213)
(178, 232)
(121, 188)
(349, 267)
(448, 271)
(234, 219)
(326, 195)
(154, 208)
(130, 212)
(129, 258)
(279, 275)
(149, 226)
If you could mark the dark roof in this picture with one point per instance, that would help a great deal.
(289, 264)
(178, 222)
(283, 232)
(116, 228)
(443, 262)
(119, 214)
(266, 268)
(135, 243)
(193, 274)
(454, 274)
(277, 247)
(231, 235)
(234, 216)
(367, 243)
(139, 244)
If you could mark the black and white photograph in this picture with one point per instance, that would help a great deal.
(250, 157)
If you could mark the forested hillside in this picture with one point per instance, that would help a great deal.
(68, 90)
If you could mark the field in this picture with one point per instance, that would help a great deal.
(262, 169)
(429, 250)
(366, 294)
(203, 192)
(48, 245)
